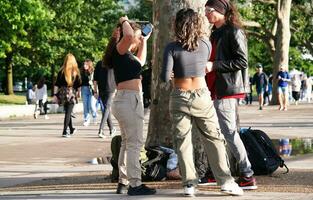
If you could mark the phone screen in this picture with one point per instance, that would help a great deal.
(146, 29)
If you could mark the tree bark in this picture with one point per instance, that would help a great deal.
(9, 74)
(277, 39)
(164, 11)
(52, 79)
(282, 41)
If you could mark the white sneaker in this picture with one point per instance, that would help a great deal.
(102, 135)
(232, 189)
(86, 123)
(47, 117)
(113, 132)
(36, 114)
(189, 191)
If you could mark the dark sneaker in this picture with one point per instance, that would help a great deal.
(207, 181)
(140, 190)
(66, 135)
(121, 189)
(247, 183)
(73, 131)
(113, 132)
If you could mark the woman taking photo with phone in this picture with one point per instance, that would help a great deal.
(128, 102)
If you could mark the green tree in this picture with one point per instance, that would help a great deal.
(35, 35)
(164, 12)
(82, 27)
(18, 19)
(270, 22)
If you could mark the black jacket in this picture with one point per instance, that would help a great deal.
(231, 61)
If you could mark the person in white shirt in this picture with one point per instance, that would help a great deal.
(41, 98)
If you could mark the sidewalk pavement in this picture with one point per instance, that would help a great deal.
(33, 150)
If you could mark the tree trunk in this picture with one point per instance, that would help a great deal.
(282, 41)
(9, 74)
(164, 11)
(52, 79)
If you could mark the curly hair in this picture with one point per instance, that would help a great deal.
(188, 28)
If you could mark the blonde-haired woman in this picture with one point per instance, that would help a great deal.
(66, 90)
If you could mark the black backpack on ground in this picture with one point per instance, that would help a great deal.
(261, 152)
(115, 150)
(154, 169)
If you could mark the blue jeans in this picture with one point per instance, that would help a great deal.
(88, 103)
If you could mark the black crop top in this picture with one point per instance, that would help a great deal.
(126, 67)
(185, 63)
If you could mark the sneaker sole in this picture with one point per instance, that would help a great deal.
(141, 194)
(249, 187)
(66, 136)
(208, 184)
(231, 193)
(189, 195)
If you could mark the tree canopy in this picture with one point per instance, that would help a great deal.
(35, 35)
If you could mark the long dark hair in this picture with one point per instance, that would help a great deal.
(232, 16)
(188, 28)
(41, 82)
(108, 54)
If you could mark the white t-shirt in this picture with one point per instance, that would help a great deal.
(42, 93)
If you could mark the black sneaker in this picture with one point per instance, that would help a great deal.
(247, 183)
(121, 188)
(73, 131)
(140, 190)
(66, 134)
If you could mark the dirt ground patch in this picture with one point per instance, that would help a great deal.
(297, 181)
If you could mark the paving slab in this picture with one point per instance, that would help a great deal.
(33, 150)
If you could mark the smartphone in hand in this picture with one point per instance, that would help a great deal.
(147, 29)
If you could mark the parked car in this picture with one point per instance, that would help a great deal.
(18, 87)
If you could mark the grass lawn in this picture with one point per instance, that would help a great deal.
(17, 98)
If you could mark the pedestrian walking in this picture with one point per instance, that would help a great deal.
(283, 92)
(248, 97)
(260, 80)
(296, 87)
(104, 89)
(89, 101)
(41, 98)
(67, 90)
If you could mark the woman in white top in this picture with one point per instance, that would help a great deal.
(41, 98)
